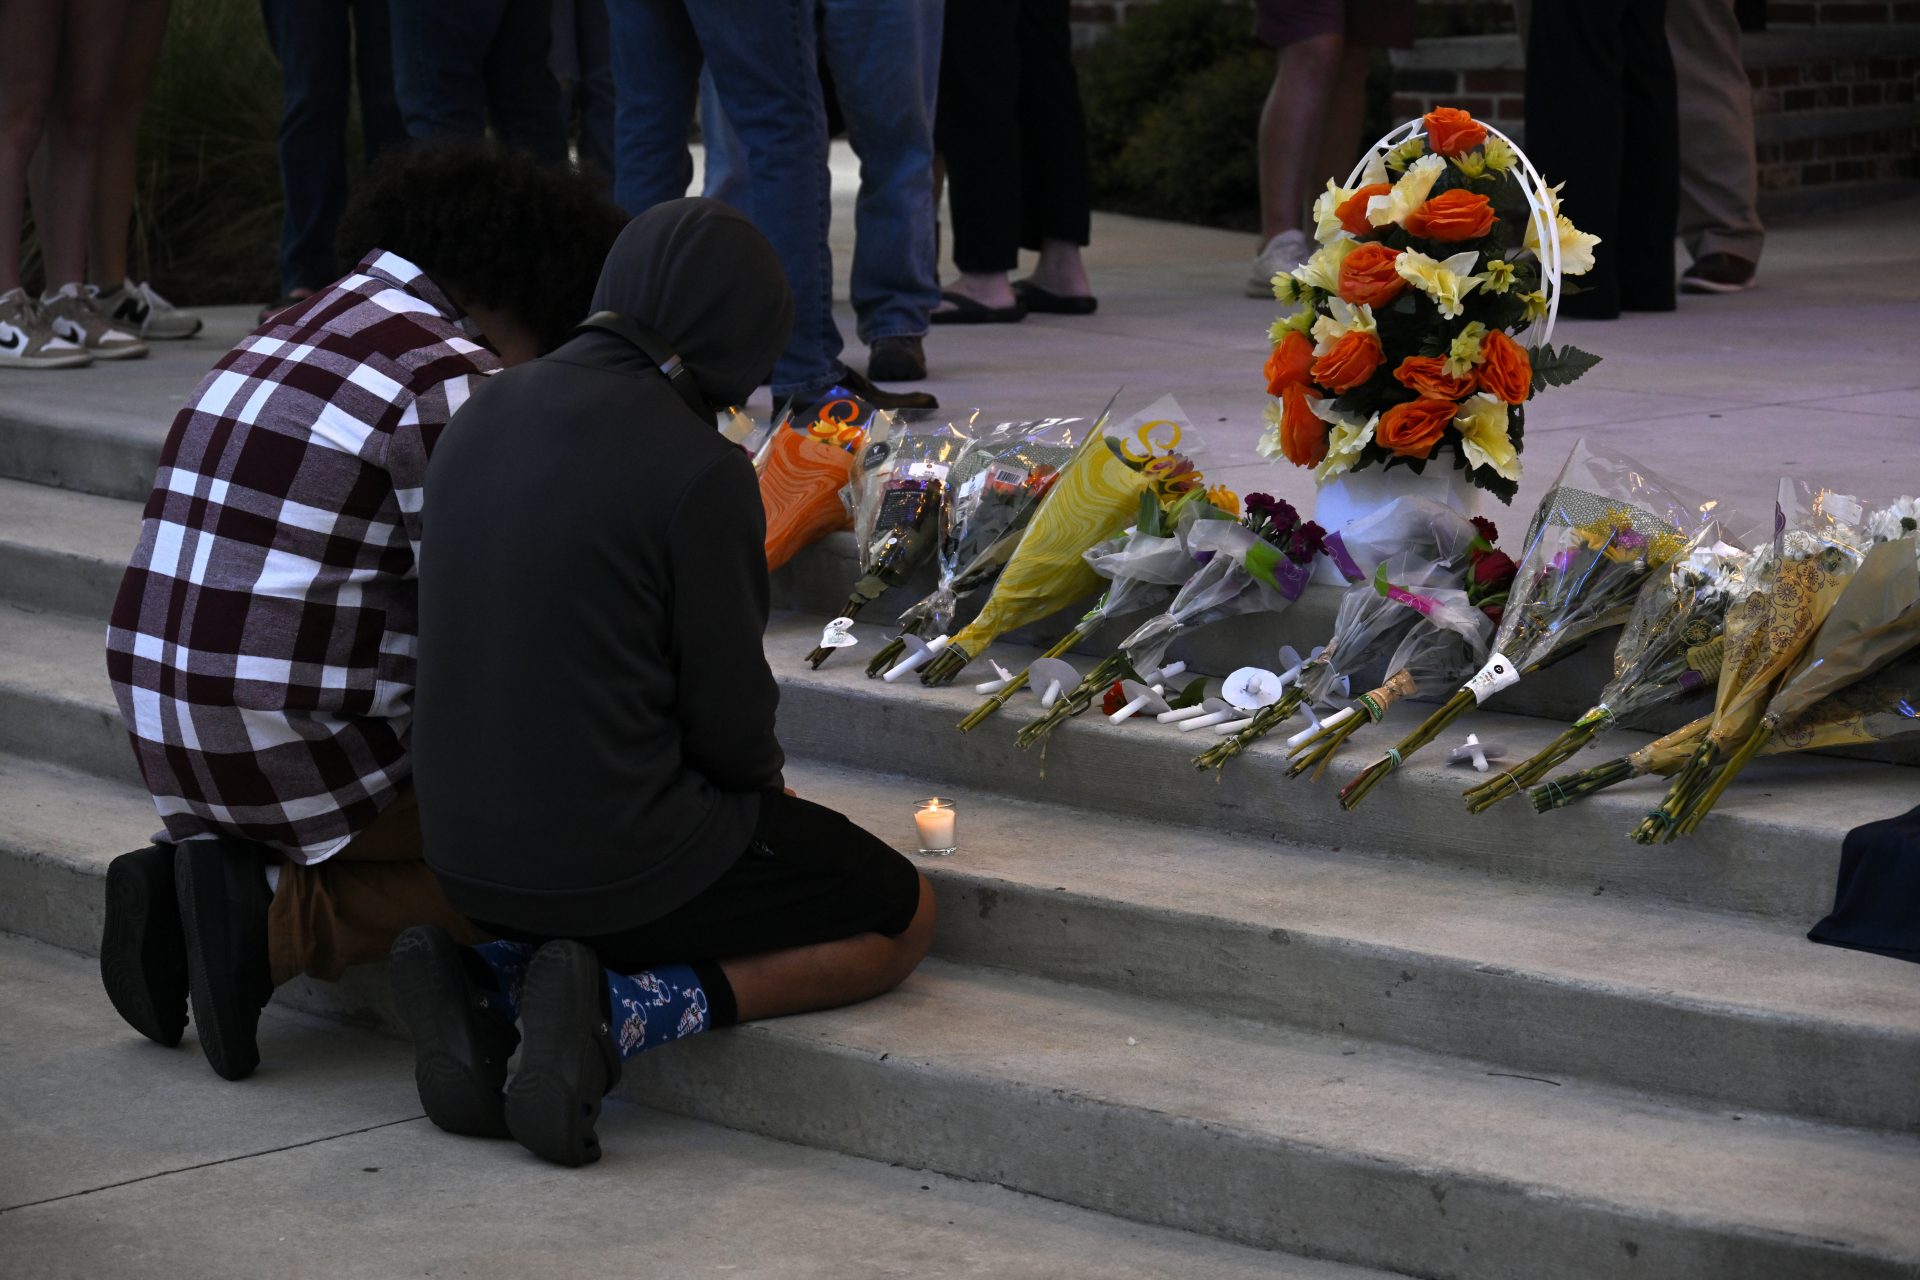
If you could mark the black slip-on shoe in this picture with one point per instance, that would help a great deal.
(908, 404)
(902, 358)
(143, 950)
(222, 890)
(567, 1058)
(460, 1046)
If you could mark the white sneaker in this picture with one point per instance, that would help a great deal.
(1283, 253)
(71, 315)
(26, 342)
(140, 308)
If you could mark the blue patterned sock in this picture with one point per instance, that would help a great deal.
(507, 962)
(657, 1006)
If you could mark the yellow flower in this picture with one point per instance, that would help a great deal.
(1225, 499)
(1345, 442)
(1325, 218)
(1471, 164)
(1408, 194)
(1536, 305)
(1576, 246)
(1268, 445)
(1285, 289)
(1322, 270)
(1342, 319)
(1498, 155)
(1482, 422)
(1446, 281)
(1403, 155)
(1300, 322)
(1500, 275)
(1465, 351)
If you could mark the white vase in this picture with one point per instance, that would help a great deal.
(1346, 498)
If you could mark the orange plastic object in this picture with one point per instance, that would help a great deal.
(806, 468)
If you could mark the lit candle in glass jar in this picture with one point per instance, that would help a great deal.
(933, 822)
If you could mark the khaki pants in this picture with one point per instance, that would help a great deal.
(348, 909)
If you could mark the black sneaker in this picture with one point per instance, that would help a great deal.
(567, 1059)
(143, 950)
(460, 1046)
(222, 891)
(900, 359)
(908, 404)
(1718, 273)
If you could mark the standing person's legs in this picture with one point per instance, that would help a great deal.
(885, 57)
(1719, 175)
(139, 54)
(1296, 125)
(977, 133)
(1576, 121)
(438, 65)
(29, 54)
(725, 176)
(310, 39)
(64, 176)
(1648, 212)
(382, 128)
(765, 60)
(656, 70)
(593, 45)
(523, 99)
(1055, 188)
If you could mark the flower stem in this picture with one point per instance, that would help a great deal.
(1316, 751)
(882, 662)
(1516, 780)
(1693, 778)
(1701, 806)
(1264, 720)
(978, 716)
(946, 664)
(851, 609)
(1562, 792)
(1072, 703)
(1432, 727)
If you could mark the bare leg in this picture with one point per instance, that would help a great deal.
(832, 973)
(133, 68)
(29, 50)
(1340, 131)
(1292, 125)
(1061, 271)
(63, 174)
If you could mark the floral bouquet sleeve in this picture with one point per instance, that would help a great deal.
(1604, 527)
(804, 467)
(1096, 497)
(993, 490)
(1408, 525)
(1670, 647)
(898, 490)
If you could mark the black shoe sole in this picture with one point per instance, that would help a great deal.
(225, 1020)
(143, 951)
(567, 1063)
(896, 369)
(459, 1063)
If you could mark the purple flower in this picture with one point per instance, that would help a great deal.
(1277, 512)
(1308, 541)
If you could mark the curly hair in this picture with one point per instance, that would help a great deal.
(491, 226)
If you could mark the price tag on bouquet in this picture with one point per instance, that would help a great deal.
(838, 634)
(1498, 674)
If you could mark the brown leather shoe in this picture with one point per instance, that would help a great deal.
(898, 359)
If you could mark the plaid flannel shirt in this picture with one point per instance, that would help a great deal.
(262, 645)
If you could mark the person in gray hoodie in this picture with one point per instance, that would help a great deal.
(597, 769)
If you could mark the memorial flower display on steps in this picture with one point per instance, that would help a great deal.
(1405, 346)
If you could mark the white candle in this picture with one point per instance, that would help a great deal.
(1052, 695)
(914, 661)
(1207, 721)
(1333, 721)
(1131, 710)
(1171, 670)
(933, 823)
(1232, 726)
(992, 686)
(1182, 713)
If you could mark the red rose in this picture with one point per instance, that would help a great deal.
(1504, 369)
(1303, 434)
(1451, 131)
(1116, 698)
(1493, 570)
(1368, 276)
(1428, 376)
(1452, 216)
(1351, 362)
(1412, 429)
(1352, 211)
(1288, 365)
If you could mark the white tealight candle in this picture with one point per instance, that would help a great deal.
(933, 825)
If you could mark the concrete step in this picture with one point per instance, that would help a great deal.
(117, 1152)
(62, 550)
(1733, 1011)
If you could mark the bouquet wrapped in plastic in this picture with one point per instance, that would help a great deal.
(804, 467)
(1445, 644)
(1097, 495)
(1408, 525)
(1372, 619)
(898, 490)
(994, 488)
(1260, 562)
(1670, 647)
(1873, 620)
(1604, 527)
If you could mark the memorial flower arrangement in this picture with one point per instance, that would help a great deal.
(1406, 345)
(804, 466)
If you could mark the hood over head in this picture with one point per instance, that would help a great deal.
(699, 274)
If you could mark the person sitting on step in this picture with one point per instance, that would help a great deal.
(262, 645)
(599, 781)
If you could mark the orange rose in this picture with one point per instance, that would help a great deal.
(1412, 429)
(1350, 363)
(1288, 364)
(1352, 211)
(1428, 376)
(1452, 216)
(1505, 369)
(1367, 276)
(1303, 435)
(1451, 131)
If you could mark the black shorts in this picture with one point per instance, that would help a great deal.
(808, 876)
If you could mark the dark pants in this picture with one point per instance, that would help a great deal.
(583, 61)
(1601, 117)
(460, 68)
(1011, 129)
(320, 44)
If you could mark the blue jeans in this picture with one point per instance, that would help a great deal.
(584, 65)
(319, 43)
(765, 70)
(885, 59)
(458, 69)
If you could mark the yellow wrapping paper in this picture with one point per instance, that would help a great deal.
(1096, 497)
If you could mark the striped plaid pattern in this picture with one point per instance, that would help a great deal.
(262, 643)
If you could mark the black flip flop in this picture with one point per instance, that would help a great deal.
(967, 311)
(1044, 302)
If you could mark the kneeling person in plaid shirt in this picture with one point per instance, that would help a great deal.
(262, 646)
